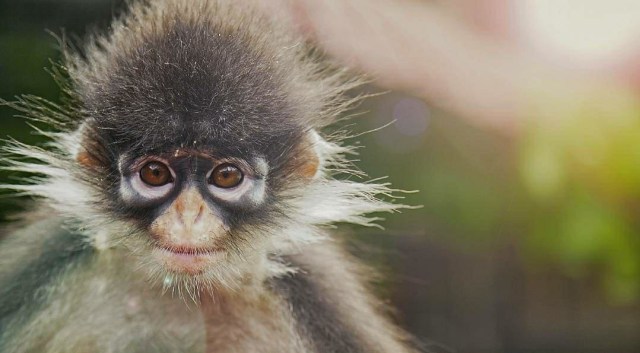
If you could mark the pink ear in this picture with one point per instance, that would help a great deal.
(309, 169)
(88, 160)
(306, 161)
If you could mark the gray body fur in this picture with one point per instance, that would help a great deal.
(95, 302)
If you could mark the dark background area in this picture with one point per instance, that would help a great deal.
(480, 268)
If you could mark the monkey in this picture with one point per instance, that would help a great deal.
(185, 199)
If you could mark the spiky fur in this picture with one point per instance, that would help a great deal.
(296, 240)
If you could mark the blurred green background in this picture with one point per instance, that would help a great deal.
(510, 252)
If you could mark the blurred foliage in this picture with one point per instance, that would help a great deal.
(567, 191)
(568, 194)
(581, 163)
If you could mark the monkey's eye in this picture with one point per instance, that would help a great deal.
(226, 176)
(156, 174)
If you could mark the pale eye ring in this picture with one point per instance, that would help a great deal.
(226, 176)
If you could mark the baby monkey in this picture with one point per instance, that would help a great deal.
(185, 196)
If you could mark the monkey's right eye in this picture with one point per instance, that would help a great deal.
(155, 174)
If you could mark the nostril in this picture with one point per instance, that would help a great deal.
(180, 218)
(199, 215)
(190, 216)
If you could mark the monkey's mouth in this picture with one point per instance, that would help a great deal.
(188, 260)
(190, 251)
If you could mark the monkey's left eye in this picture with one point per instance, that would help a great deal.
(156, 174)
(226, 176)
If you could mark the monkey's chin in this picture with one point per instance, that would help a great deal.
(188, 262)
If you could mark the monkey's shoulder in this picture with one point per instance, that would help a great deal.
(31, 258)
(38, 237)
(330, 302)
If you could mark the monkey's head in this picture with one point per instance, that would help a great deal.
(196, 146)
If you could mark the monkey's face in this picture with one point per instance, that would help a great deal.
(206, 210)
(204, 213)
(197, 202)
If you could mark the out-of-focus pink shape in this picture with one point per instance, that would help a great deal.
(420, 47)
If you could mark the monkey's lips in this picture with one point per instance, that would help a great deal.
(188, 260)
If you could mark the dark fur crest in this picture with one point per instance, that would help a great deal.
(196, 87)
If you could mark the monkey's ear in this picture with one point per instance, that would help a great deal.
(87, 149)
(308, 160)
(87, 160)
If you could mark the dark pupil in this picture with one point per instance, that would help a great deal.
(226, 176)
(155, 174)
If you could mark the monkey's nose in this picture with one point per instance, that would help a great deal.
(192, 215)
(188, 223)
(189, 207)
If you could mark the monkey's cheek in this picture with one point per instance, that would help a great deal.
(188, 264)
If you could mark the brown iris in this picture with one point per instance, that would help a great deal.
(155, 174)
(226, 176)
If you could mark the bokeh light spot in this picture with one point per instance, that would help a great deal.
(411, 116)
